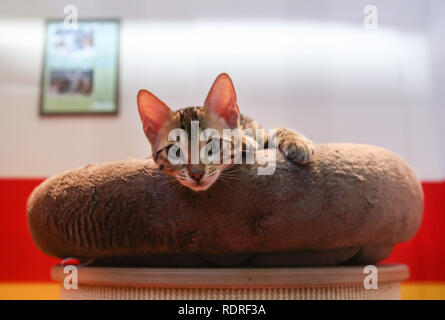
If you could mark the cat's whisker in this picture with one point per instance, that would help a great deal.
(231, 178)
(230, 174)
(228, 177)
(175, 184)
(178, 186)
(230, 171)
(171, 183)
(227, 181)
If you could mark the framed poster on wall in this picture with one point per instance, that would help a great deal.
(80, 69)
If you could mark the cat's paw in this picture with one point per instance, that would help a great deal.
(294, 146)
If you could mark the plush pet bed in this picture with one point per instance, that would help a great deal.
(351, 205)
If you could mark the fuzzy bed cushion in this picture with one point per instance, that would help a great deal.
(352, 205)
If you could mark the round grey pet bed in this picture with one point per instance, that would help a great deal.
(351, 205)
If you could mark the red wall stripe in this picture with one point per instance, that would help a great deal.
(20, 260)
(425, 253)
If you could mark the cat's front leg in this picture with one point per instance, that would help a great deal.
(294, 146)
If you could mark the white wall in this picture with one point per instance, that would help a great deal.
(437, 46)
(308, 65)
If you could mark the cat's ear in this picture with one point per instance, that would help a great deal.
(154, 114)
(221, 99)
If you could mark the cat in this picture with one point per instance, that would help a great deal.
(220, 111)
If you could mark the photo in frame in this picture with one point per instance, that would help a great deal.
(81, 68)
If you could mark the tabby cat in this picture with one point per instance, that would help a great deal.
(220, 111)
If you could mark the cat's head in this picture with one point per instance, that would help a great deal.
(220, 111)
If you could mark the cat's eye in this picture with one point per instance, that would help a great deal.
(175, 154)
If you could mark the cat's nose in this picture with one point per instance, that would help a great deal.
(197, 176)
